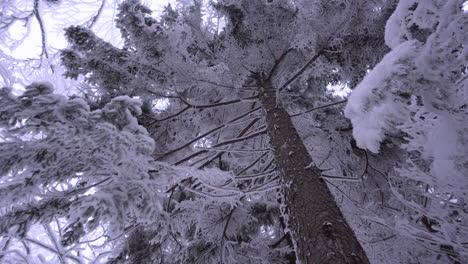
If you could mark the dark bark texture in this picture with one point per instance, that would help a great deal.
(317, 226)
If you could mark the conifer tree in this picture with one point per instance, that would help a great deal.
(211, 137)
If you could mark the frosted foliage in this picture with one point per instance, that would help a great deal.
(412, 19)
(418, 93)
(104, 176)
(101, 163)
(107, 146)
(377, 104)
(430, 73)
(426, 75)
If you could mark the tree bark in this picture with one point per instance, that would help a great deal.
(318, 228)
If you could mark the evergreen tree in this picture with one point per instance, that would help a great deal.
(215, 166)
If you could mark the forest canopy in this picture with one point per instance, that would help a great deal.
(214, 133)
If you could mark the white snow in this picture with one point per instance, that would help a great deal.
(372, 107)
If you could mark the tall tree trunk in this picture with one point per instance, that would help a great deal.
(318, 228)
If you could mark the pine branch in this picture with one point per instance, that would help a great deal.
(84, 189)
(255, 176)
(204, 158)
(302, 70)
(189, 157)
(340, 178)
(214, 148)
(217, 156)
(356, 203)
(241, 100)
(226, 86)
(250, 150)
(167, 117)
(241, 134)
(235, 140)
(208, 133)
(263, 185)
(52, 238)
(277, 63)
(251, 164)
(319, 107)
(227, 222)
(277, 243)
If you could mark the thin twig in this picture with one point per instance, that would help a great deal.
(84, 189)
(95, 17)
(251, 164)
(234, 140)
(340, 178)
(51, 249)
(242, 133)
(208, 133)
(54, 241)
(43, 32)
(367, 165)
(342, 192)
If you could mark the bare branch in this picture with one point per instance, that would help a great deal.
(242, 133)
(94, 19)
(204, 158)
(240, 100)
(17, 252)
(211, 160)
(224, 236)
(302, 70)
(208, 133)
(211, 149)
(277, 243)
(45, 246)
(278, 62)
(366, 169)
(356, 203)
(43, 32)
(6, 23)
(255, 176)
(340, 178)
(319, 107)
(234, 150)
(244, 130)
(193, 140)
(225, 86)
(234, 140)
(189, 157)
(252, 164)
(263, 185)
(167, 117)
(84, 189)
